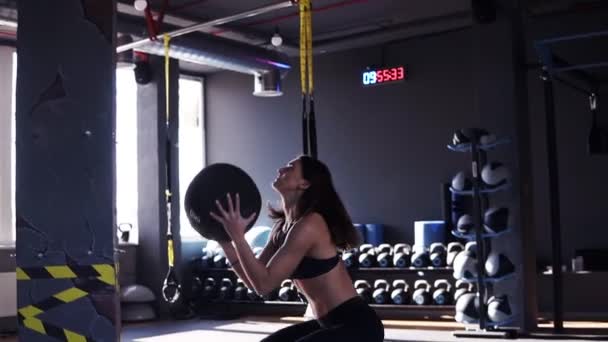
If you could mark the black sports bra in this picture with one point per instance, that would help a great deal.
(312, 267)
(308, 267)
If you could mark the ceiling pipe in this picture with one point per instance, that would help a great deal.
(216, 22)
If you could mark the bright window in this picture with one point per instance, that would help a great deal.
(126, 153)
(8, 67)
(191, 143)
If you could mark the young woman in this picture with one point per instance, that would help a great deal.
(309, 229)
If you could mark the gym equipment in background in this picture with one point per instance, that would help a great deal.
(442, 293)
(384, 252)
(453, 249)
(465, 263)
(213, 183)
(495, 174)
(367, 255)
(498, 265)
(496, 220)
(381, 292)
(401, 292)
(479, 225)
(465, 224)
(422, 292)
(499, 309)
(401, 255)
(137, 303)
(467, 308)
(364, 290)
(438, 254)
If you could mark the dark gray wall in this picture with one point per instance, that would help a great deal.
(385, 145)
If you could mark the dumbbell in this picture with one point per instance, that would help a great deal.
(421, 258)
(209, 288)
(384, 253)
(226, 289)
(442, 294)
(364, 290)
(381, 291)
(461, 287)
(240, 290)
(400, 293)
(367, 255)
(453, 249)
(350, 258)
(219, 261)
(422, 292)
(438, 254)
(287, 292)
(401, 255)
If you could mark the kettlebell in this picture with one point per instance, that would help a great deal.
(420, 258)
(400, 293)
(367, 255)
(461, 287)
(210, 288)
(453, 249)
(240, 290)
(422, 292)
(350, 258)
(381, 291)
(401, 255)
(385, 253)
(442, 295)
(226, 289)
(287, 292)
(438, 254)
(364, 290)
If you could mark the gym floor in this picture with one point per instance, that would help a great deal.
(256, 328)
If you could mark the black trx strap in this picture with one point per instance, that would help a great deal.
(309, 131)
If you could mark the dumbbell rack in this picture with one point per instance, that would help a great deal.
(231, 308)
(478, 159)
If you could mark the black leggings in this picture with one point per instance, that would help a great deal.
(350, 321)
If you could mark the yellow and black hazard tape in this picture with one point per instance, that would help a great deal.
(87, 279)
(103, 272)
(54, 331)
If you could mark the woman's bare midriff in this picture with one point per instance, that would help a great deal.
(328, 290)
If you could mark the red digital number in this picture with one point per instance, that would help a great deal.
(379, 76)
(387, 75)
(394, 74)
(400, 73)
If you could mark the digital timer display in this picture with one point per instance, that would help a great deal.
(381, 76)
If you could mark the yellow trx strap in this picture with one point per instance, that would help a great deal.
(306, 79)
(170, 253)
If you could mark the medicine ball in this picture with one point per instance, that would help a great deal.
(467, 308)
(213, 183)
(499, 309)
(465, 224)
(460, 182)
(496, 220)
(465, 263)
(495, 174)
(498, 265)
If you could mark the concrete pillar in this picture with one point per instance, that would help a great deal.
(65, 119)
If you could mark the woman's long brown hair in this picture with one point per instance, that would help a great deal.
(321, 197)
